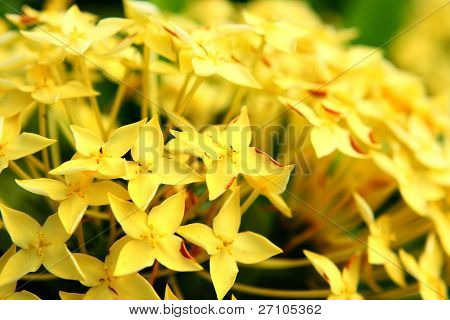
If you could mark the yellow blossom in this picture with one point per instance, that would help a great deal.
(227, 246)
(39, 246)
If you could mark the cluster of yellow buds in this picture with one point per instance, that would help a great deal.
(208, 113)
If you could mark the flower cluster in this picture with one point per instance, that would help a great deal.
(176, 160)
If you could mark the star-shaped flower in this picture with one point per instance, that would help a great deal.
(227, 246)
(75, 194)
(44, 245)
(102, 159)
(15, 145)
(7, 292)
(226, 153)
(152, 236)
(104, 285)
(343, 285)
(427, 270)
(379, 241)
(151, 167)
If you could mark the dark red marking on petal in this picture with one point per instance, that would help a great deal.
(352, 260)
(325, 277)
(333, 112)
(270, 158)
(230, 183)
(233, 120)
(320, 93)
(173, 33)
(235, 59)
(355, 145)
(184, 251)
(372, 137)
(26, 20)
(290, 106)
(266, 62)
(113, 290)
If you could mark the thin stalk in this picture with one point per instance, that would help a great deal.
(274, 293)
(18, 171)
(154, 273)
(187, 100)
(145, 83)
(249, 201)
(43, 132)
(193, 210)
(39, 277)
(182, 91)
(93, 100)
(118, 102)
(53, 133)
(79, 234)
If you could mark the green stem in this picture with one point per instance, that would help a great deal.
(145, 83)
(18, 171)
(43, 132)
(187, 100)
(249, 201)
(118, 102)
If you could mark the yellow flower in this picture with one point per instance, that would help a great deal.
(75, 194)
(343, 285)
(441, 220)
(226, 153)
(151, 167)
(280, 34)
(78, 32)
(226, 246)
(379, 241)
(272, 186)
(207, 53)
(104, 285)
(327, 134)
(39, 246)
(415, 186)
(428, 270)
(152, 236)
(102, 159)
(15, 145)
(7, 292)
(41, 85)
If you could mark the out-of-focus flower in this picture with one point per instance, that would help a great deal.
(379, 241)
(427, 270)
(343, 285)
(226, 246)
(15, 145)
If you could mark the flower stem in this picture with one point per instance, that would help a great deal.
(18, 171)
(92, 99)
(118, 102)
(43, 132)
(79, 234)
(145, 83)
(181, 108)
(249, 201)
(154, 273)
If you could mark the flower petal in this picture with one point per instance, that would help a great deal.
(87, 142)
(131, 218)
(26, 144)
(20, 264)
(60, 261)
(122, 139)
(54, 189)
(226, 223)
(327, 269)
(129, 262)
(22, 228)
(166, 218)
(143, 188)
(97, 192)
(134, 287)
(168, 252)
(92, 268)
(71, 211)
(223, 270)
(249, 248)
(201, 235)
